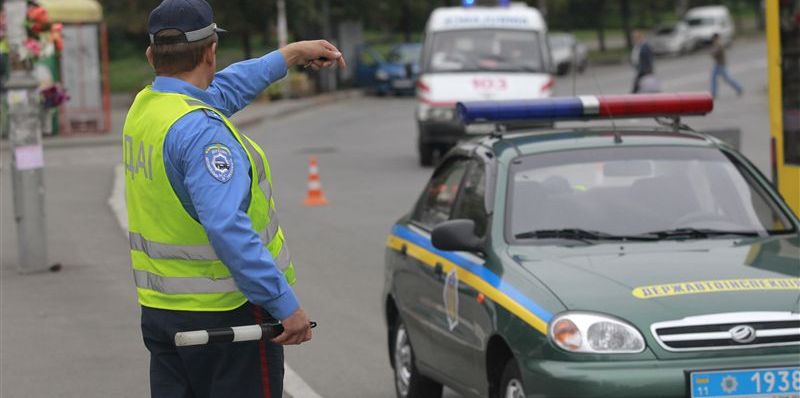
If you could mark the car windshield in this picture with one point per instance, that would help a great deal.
(485, 50)
(640, 192)
(665, 31)
(405, 54)
(560, 41)
(695, 22)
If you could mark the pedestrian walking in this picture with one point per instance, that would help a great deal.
(641, 58)
(720, 69)
(206, 247)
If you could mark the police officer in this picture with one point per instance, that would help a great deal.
(206, 247)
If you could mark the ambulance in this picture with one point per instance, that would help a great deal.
(474, 53)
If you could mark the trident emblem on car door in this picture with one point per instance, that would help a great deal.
(451, 298)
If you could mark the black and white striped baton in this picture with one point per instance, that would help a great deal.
(231, 335)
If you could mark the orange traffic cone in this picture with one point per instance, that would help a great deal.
(315, 196)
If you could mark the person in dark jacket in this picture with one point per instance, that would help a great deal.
(641, 58)
(719, 69)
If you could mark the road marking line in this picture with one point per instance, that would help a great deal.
(293, 384)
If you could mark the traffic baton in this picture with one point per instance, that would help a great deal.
(231, 335)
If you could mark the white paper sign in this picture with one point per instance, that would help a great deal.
(29, 157)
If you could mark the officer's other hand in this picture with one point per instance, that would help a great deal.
(317, 54)
(296, 329)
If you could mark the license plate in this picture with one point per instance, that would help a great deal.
(402, 83)
(480, 128)
(750, 383)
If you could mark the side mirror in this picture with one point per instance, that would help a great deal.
(457, 235)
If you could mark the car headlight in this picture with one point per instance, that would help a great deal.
(422, 111)
(594, 333)
(382, 75)
(440, 113)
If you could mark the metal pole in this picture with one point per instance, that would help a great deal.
(25, 134)
(283, 40)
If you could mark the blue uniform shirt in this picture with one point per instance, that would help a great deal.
(221, 206)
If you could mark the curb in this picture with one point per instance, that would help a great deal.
(299, 106)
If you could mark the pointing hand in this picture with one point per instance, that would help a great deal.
(316, 54)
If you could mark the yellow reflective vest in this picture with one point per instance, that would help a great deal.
(174, 265)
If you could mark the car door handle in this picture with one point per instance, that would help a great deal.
(438, 270)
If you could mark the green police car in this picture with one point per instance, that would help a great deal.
(595, 262)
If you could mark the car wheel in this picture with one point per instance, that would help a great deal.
(408, 382)
(511, 382)
(426, 152)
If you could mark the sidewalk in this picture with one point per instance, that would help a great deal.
(252, 115)
(75, 333)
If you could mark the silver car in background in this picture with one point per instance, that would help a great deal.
(673, 39)
(567, 53)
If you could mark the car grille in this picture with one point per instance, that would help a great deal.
(734, 330)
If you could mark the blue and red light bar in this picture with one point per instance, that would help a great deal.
(587, 107)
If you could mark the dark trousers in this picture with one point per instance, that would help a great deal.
(637, 80)
(243, 370)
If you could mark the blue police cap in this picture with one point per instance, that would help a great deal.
(194, 18)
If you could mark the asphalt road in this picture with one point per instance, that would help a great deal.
(75, 333)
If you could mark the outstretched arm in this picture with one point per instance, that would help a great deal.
(237, 85)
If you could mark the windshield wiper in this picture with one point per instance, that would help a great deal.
(698, 233)
(581, 234)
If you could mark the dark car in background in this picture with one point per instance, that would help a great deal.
(395, 74)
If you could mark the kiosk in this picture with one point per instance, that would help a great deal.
(83, 66)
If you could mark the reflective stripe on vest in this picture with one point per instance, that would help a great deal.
(283, 260)
(164, 251)
(262, 174)
(183, 285)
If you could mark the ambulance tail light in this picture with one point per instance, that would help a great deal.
(588, 107)
(422, 87)
(548, 87)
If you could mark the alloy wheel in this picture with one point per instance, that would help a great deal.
(402, 361)
(514, 389)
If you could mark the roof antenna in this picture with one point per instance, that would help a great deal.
(574, 67)
(497, 132)
(617, 135)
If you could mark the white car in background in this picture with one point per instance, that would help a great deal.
(567, 52)
(672, 39)
(706, 21)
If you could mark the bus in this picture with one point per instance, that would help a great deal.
(783, 63)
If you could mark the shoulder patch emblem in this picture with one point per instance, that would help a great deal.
(219, 162)
(211, 114)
